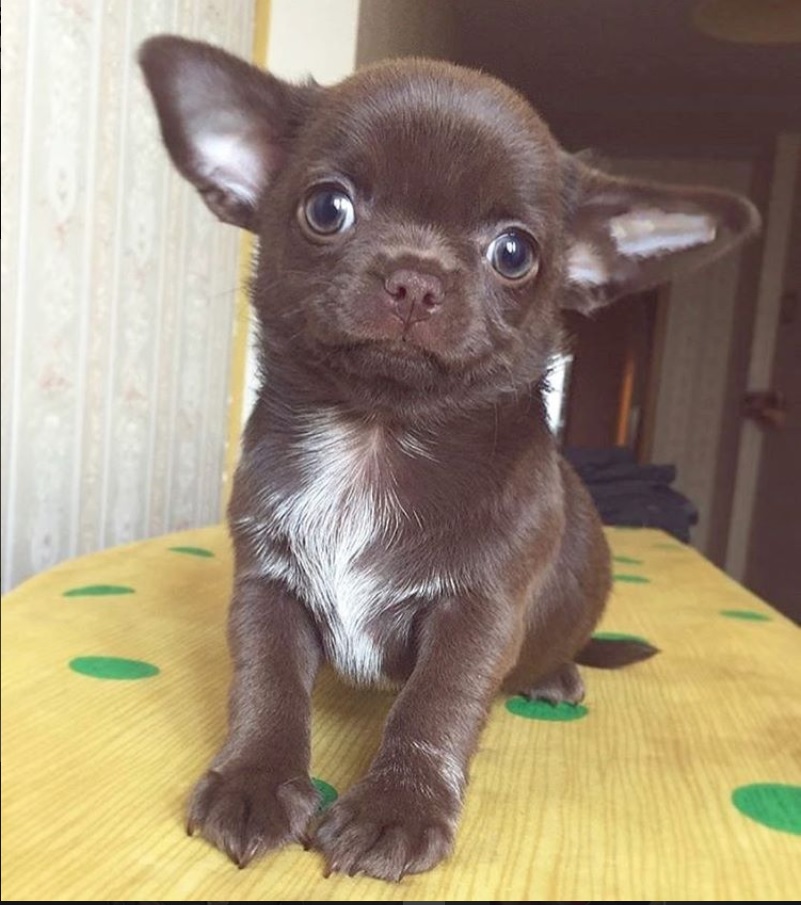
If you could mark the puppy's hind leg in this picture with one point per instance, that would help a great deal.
(562, 686)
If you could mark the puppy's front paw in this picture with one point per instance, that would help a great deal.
(245, 812)
(386, 830)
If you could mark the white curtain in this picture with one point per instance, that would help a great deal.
(118, 287)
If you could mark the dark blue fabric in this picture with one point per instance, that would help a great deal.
(629, 494)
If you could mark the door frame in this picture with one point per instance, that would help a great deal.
(776, 231)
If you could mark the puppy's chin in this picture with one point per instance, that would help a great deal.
(399, 362)
(403, 379)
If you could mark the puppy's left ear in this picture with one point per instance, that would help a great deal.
(625, 236)
(227, 125)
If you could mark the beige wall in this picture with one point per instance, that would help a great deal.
(312, 37)
(117, 288)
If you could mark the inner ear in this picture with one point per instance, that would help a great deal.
(232, 167)
(230, 155)
(650, 232)
(625, 236)
(227, 125)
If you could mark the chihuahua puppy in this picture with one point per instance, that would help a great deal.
(400, 509)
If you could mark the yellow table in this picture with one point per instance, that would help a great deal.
(634, 799)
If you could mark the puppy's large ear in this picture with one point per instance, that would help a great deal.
(226, 124)
(625, 236)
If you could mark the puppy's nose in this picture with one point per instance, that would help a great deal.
(414, 295)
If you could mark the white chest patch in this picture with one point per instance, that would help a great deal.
(338, 511)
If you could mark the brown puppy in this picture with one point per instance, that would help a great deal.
(400, 509)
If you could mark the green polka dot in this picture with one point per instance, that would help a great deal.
(628, 560)
(745, 615)
(192, 551)
(631, 579)
(99, 590)
(113, 668)
(771, 804)
(328, 794)
(619, 636)
(542, 710)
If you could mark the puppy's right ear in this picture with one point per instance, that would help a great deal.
(227, 125)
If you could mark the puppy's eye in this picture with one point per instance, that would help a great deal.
(513, 255)
(328, 210)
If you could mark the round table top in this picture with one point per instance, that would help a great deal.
(680, 778)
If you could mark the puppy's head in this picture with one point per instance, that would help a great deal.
(419, 226)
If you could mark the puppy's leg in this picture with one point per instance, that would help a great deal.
(563, 686)
(257, 795)
(402, 816)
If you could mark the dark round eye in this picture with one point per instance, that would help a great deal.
(328, 210)
(513, 255)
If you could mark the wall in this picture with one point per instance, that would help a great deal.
(117, 288)
(313, 38)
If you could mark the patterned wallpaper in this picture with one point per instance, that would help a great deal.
(118, 288)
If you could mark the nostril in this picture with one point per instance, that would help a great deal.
(396, 286)
(429, 302)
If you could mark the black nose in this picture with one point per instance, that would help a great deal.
(414, 295)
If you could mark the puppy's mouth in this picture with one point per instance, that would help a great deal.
(409, 339)
(363, 341)
(413, 334)
(446, 336)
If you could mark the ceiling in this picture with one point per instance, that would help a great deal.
(633, 72)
